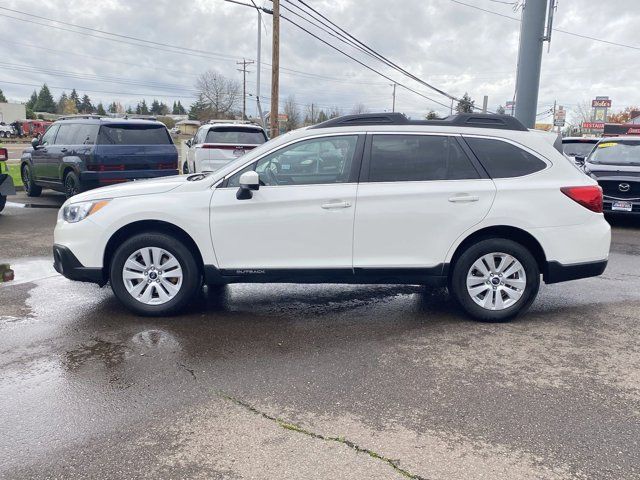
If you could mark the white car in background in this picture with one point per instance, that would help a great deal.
(218, 143)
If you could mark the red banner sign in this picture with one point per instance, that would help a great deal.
(593, 125)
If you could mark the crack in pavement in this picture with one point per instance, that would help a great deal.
(297, 428)
(191, 371)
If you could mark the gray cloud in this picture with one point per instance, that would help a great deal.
(457, 48)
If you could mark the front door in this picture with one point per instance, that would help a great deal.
(301, 217)
(418, 194)
(41, 156)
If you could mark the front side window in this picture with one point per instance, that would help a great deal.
(66, 134)
(407, 158)
(133, 135)
(504, 160)
(50, 135)
(309, 162)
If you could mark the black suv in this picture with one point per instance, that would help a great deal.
(84, 152)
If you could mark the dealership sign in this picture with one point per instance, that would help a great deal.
(593, 125)
(601, 103)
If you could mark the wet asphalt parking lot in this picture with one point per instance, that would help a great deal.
(281, 381)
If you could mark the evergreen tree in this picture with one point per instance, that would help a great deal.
(155, 107)
(100, 109)
(3, 99)
(144, 110)
(76, 99)
(85, 105)
(45, 101)
(138, 109)
(181, 109)
(174, 109)
(432, 115)
(32, 101)
(163, 109)
(465, 105)
(322, 116)
(129, 111)
(113, 107)
(199, 109)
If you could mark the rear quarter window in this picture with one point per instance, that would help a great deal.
(134, 135)
(504, 160)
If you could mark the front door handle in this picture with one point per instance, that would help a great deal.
(464, 198)
(335, 205)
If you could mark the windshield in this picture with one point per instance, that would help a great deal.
(616, 153)
(236, 136)
(577, 149)
(134, 134)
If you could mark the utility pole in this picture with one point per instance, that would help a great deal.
(244, 71)
(485, 103)
(532, 36)
(258, 67)
(393, 108)
(275, 69)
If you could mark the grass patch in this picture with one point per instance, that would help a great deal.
(13, 171)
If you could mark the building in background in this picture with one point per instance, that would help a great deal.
(10, 112)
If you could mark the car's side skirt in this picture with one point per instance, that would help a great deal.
(431, 275)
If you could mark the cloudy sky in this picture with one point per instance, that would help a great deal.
(455, 47)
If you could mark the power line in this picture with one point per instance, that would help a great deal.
(362, 63)
(608, 42)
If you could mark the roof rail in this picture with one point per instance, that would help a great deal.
(474, 120)
(87, 116)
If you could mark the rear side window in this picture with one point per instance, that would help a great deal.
(397, 158)
(77, 134)
(504, 160)
(133, 135)
(235, 135)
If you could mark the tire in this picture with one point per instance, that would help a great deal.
(185, 168)
(3, 202)
(30, 188)
(157, 298)
(71, 184)
(495, 299)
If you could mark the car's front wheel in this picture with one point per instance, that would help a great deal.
(71, 184)
(30, 188)
(154, 274)
(495, 279)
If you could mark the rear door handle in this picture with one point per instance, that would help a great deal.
(464, 198)
(335, 205)
(64, 150)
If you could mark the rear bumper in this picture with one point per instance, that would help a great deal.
(89, 179)
(66, 263)
(557, 272)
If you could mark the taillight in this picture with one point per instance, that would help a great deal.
(168, 166)
(589, 197)
(4, 155)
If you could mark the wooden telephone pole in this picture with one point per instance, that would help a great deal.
(275, 70)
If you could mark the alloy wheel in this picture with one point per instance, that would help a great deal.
(152, 275)
(496, 281)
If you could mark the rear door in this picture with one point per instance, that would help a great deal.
(40, 157)
(417, 194)
(226, 143)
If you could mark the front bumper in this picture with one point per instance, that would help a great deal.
(66, 263)
(557, 272)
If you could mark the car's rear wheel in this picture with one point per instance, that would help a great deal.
(30, 188)
(154, 274)
(495, 280)
(71, 184)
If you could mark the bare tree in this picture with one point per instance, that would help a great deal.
(292, 112)
(581, 114)
(219, 93)
(359, 108)
(335, 112)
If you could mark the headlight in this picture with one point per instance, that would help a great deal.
(79, 211)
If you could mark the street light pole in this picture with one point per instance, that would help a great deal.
(393, 108)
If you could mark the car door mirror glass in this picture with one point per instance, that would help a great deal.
(579, 159)
(35, 142)
(249, 181)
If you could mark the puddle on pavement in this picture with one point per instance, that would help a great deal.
(28, 270)
(108, 353)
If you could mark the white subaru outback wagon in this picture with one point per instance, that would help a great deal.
(477, 203)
